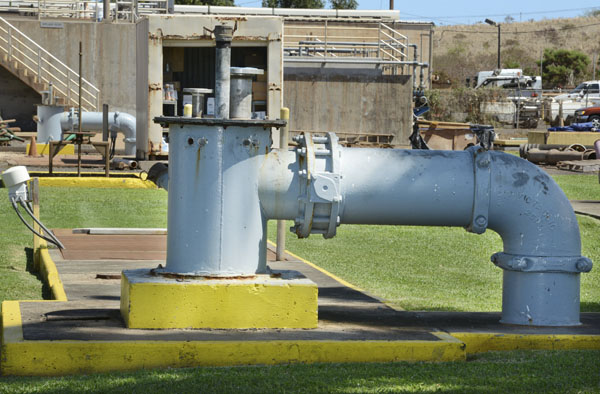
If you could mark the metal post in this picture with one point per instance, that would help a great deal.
(35, 204)
(9, 44)
(223, 36)
(499, 64)
(104, 122)
(325, 38)
(79, 113)
(106, 10)
(283, 144)
(39, 65)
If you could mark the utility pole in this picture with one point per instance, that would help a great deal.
(492, 23)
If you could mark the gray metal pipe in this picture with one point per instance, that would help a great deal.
(223, 37)
(92, 121)
(321, 185)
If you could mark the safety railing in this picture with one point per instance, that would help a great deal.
(121, 10)
(371, 43)
(30, 60)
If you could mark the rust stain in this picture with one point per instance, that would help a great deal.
(232, 18)
(156, 36)
(154, 87)
(250, 38)
(188, 37)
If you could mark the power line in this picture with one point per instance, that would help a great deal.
(503, 14)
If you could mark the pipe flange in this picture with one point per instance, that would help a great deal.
(481, 201)
(319, 176)
(568, 264)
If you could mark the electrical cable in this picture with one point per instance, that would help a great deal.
(50, 238)
(29, 210)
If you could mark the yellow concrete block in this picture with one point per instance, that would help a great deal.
(155, 302)
(562, 137)
(43, 149)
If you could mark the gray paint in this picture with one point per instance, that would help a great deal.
(474, 189)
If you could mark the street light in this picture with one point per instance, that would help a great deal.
(491, 22)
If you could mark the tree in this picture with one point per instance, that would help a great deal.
(509, 19)
(560, 65)
(343, 4)
(229, 3)
(293, 3)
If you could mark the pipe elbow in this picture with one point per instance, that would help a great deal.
(126, 123)
(529, 210)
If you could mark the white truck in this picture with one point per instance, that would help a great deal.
(586, 94)
(509, 78)
(522, 107)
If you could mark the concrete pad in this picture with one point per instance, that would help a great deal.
(87, 334)
(587, 207)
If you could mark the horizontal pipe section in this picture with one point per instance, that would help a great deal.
(92, 121)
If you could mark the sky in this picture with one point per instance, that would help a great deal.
(448, 12)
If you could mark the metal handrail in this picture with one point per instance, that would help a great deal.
(375, 45)
(46, 68)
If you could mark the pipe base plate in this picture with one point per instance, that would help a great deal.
(262, 301)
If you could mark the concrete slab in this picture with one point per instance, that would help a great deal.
(587, 207)
(87, 333)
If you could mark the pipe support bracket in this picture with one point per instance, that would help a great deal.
(558, 264)
(481, 201)
(320, 193)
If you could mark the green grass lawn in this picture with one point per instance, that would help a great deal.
(417, 268)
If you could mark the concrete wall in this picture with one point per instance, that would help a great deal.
(17, 101)
(346, 100)
(109, 55)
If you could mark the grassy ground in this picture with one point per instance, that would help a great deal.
(416, 267)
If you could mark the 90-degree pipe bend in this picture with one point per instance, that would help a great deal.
(529, 210)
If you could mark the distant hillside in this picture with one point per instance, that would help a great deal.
(461, 51)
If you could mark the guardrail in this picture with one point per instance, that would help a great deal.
(22, 53)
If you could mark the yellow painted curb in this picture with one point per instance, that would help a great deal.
(50, 274)
(42, 358)
(44, 149)
(480, 342)
(97, 182)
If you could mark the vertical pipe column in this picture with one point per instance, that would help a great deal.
(283, 144)
(223, 36)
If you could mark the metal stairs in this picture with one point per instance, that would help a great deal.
(37, 68)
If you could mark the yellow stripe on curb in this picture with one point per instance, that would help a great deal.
(97, 182)
(32, 358)
(50, 274)
(485, 342)
(12, 326)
